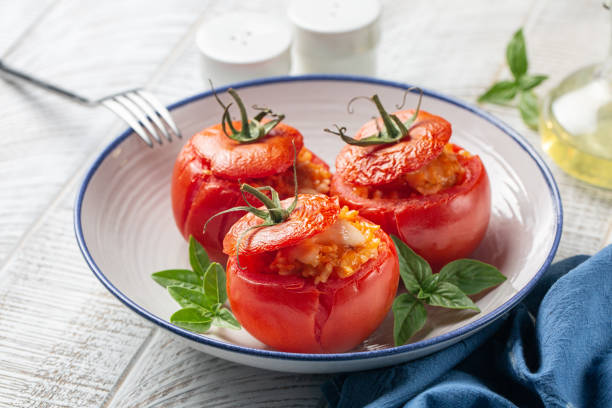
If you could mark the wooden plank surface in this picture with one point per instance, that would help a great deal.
(171, 375)
(47, 139)
(65, 340)
(17, 17)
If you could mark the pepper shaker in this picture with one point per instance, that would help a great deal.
(335, 36)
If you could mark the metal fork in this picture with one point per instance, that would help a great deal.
(140, 109)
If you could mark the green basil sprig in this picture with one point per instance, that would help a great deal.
(200, 292)
(448, 288)
(504, 92)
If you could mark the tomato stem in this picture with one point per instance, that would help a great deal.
(277, 213)
(250, 130)
(394, 131)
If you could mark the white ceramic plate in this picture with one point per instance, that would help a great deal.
(125, 228)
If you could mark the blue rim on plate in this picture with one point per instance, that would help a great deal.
(473, 326)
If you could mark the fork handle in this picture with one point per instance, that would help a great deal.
(12, 74)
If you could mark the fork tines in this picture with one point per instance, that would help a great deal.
(145, 115)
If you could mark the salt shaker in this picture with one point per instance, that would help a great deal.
(243, 46)
(335, 36)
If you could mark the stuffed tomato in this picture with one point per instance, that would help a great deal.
(210, 167)
(432, 194)
(319, 282)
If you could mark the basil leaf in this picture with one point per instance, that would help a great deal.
(516, 54)
(428, 285)
(178, 277)
(449, 296)
(409, 317)
(225, 318)
(216, 308)
(198, 258)
(414, 270)
(191, 319)
(470, 276)
(190, 298)
(528, 106)
(422, 294)
(214, 284)
(500, 93)
(527, 82)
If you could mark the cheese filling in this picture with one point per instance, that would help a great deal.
(341, 249)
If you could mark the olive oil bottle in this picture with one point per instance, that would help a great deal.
(576, 122)
(576, 125)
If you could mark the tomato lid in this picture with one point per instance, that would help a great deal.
(382, 164)
(273, 154)
(313, 214)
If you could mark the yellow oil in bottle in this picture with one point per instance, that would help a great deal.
(576, 126)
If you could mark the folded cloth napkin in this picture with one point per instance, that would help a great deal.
(553, 350)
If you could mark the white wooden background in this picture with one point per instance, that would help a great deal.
(64, 340)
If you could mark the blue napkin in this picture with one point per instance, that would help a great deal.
(553, 350)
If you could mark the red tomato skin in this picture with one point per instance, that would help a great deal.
(232, 160)
(440, 227)
(198, 194)
(292, 314)
(313, 214)
(382, 164)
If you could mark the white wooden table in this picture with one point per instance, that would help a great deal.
(64, 340)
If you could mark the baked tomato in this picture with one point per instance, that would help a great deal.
(321, 281)
(211, 165)
(433, 194)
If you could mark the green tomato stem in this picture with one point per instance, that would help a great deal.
(394, 131)
(277, 213)
(251, 131)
